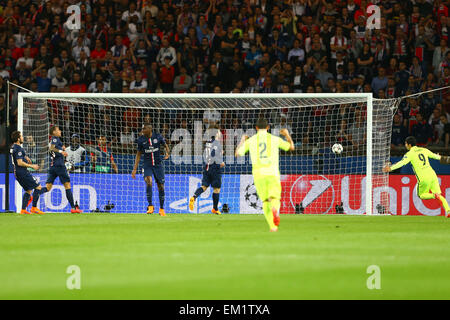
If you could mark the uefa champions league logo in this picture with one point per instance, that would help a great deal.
(251, 197)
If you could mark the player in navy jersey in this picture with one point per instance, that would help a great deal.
(149, 144)
(21, 164)
(212, 171)
(58, 168)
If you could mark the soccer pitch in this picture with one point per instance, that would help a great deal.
(130, 256)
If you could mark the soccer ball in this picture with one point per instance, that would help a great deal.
(69, 165)
(337, 148)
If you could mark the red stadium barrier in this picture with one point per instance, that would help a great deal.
(322, 193)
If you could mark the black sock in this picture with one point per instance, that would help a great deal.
(198, 192)
(36, 195)
(25, 199)
(69, 196)
(215, 197)
(161, 198)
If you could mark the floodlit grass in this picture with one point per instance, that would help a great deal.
(130, 256)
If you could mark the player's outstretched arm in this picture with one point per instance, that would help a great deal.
(387, 167)
(401, 163)
(136, 164)
(240, 145)
(284, 132)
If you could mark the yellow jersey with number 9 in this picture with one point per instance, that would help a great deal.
(263, 148)
(419, 160)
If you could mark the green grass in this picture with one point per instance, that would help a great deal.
(223, 257)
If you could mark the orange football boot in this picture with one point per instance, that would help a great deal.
(36, 210)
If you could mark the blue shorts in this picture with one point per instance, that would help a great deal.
(157, 171)
(27, 181)
(212, 177)
(58, 172)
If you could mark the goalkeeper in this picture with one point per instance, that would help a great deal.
(77, 159)
(263, 149)
(428, 183)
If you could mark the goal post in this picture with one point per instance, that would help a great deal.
(314, 180)
(369, 130)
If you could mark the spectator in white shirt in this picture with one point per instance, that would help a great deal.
(118, 49)
(131, 12)
(139, 85)
(338, 43)
(166, 51)
(93, 87)
(149, 6)
(52, 71)
(26, 58)
(59, 81)
(296, 54)
(78, 48)
(20, 37)
(127, 137)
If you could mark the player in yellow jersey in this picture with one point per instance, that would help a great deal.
(428, 183)
(263, 149)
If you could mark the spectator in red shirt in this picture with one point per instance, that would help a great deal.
(29, 44)
(131, 118)
(16, 52)
(98, 53)
(77, 84)
(167, 74)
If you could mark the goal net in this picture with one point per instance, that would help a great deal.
(314, 180)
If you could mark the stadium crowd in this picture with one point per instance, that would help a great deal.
(231, 46)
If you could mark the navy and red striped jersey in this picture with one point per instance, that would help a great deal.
(151, 148)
